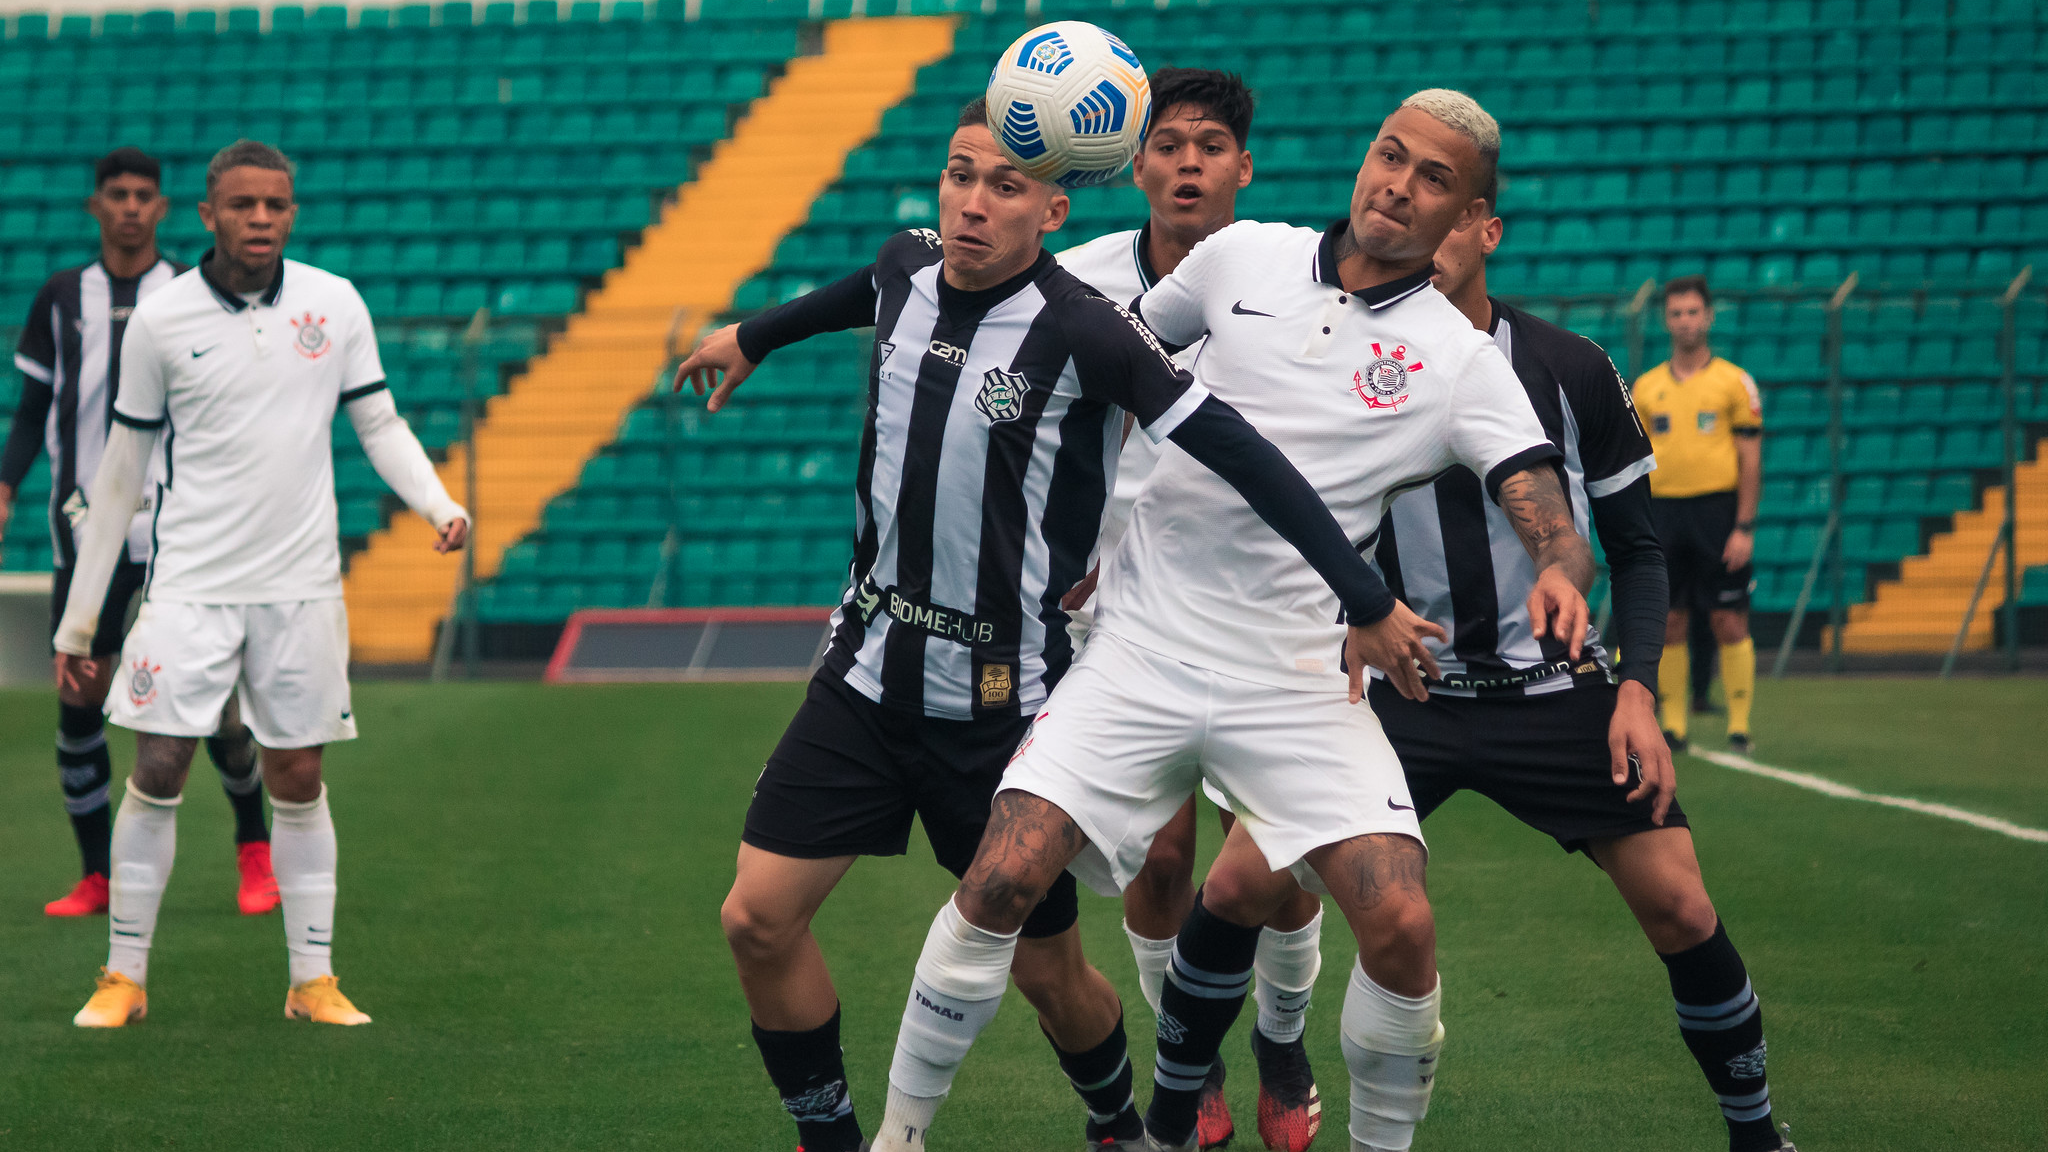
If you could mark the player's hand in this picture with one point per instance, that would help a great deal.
(453, 537)
(717, 354)
(76, 673)
(6, 506)
(1741, 545)
(1083, 589)
(1557, 610)
(1392, 644)
(1633, 734)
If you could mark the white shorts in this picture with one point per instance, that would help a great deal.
(290, 662)
(1129, 735)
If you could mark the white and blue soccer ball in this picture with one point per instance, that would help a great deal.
(1069, 104)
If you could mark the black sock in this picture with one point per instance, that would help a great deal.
(1723, 1025)
(86, 771)
(235, 757)
(810, 1072)
(1101, 1076)
(1205, 989)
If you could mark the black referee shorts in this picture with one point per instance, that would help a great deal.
(106, 639)
(849, 774)
(1694, 530)
(1543, 758)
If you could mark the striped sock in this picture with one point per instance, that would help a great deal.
(1101, 1076)
(86, 772)
(1205, 990)
(1723, 1026)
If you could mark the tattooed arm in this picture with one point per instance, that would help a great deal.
(1535, 504)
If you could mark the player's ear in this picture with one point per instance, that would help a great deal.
(206, 214)
(1056, 213)
(1495, 229)
(1244, 167)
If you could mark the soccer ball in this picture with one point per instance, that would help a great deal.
(1069, 104)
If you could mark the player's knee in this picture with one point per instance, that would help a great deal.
(1241, 896)
(757, 934)
(1167, 879)
(1730, 627)
(997, 898)
(1402, 926)
(1678, 919)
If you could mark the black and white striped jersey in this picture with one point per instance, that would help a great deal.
(1451, 554)
(70, 353)
(991, 442)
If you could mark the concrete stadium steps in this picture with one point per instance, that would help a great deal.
(1921, 610)
(722, 228)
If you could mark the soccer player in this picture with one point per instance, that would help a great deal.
(1706, 423)
(1552, 739)
(70, 357)
(997, 394)
(1218, 657)
(1194, 161)
(230, 376)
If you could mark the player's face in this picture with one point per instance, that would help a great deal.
(1687, 318)
(1462, 255)
(128, 207)
(992, 217)
(1418, 182)
(1191, 168)
(250, 214)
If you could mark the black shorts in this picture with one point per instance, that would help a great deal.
(1543, 758)
(1694, 532)
(849, 774)
(128, 580)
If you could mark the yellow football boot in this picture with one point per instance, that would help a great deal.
(114, 1003)
(320, 1000)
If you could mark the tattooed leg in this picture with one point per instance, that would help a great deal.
(1029, 842)
(1378, 883)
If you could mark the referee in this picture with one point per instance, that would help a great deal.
(70, 355)
(1706, 424)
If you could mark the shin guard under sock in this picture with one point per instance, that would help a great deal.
(1673, 704)
(961, 975)
(809, 1071)
(145, 844)
(1101, 1076)
(1738, 676)
(1287, 966)
(234, 756)
(1723, 1026)
(1391, 1043)
(86, 773)
(1205, 990)
(1153, 957)
(303, 857)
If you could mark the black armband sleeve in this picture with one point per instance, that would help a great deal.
(1217, 436)
(26, 437)
(845, 303)
(1637, 574)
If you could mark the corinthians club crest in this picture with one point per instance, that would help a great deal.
(142, 682)
(311, 339)
(1002, 395)
(1384, 382)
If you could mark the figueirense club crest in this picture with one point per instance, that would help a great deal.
(1383, 383)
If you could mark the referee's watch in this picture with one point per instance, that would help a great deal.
(1748, 526)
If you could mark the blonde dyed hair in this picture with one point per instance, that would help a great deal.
(1463, 115)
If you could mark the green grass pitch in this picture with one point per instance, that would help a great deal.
(531, 878)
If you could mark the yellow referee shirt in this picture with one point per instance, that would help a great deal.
(1692, 425)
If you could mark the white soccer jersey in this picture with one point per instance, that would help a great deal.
(245, 393)
(1115, 265)
(1367, 393)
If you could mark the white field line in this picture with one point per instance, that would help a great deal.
(1829, 787)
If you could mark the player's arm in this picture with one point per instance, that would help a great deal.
(1175, 308)
(401, 463)
(1748, 426)
(1494, 432)
(733, 351)
(35, 356)
(1642, 597)
(116, 493)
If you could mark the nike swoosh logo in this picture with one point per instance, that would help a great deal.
(1399, 807)
(1238, 309)
(346, 715)
(198, 352)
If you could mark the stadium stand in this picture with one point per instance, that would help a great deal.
(1775, 145)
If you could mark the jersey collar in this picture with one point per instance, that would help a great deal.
(233, 301)
(985, 299)
(1377, 297)
(1147, 275)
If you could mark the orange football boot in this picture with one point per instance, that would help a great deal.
(88, 898)
(115, 1002)
(257, 893)
(320, 1000)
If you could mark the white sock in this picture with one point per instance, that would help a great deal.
(1391, 1044)
(145, 845)
(961, 976)
(1287, 964)
(302, 856)
(1154, 957)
